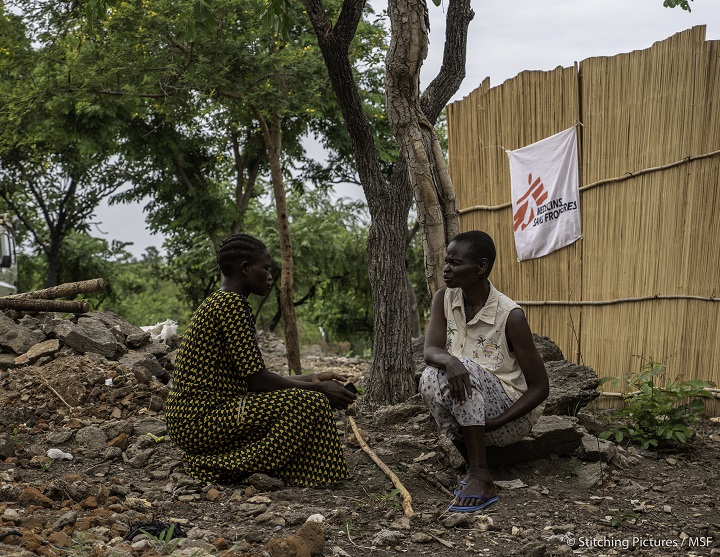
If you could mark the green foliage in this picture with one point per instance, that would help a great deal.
(330, 274)
(684, 4)
(659, 412)
(573, 467)
(164, 541)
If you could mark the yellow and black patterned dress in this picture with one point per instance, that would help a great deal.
(228, 433)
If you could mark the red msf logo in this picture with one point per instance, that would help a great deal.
(522, 217)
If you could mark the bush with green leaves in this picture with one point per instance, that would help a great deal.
(659, 412)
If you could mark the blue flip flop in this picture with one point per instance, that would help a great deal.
(458, 490)
(485, 502)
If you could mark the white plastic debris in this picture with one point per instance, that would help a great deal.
(162, 331)
(316, 518)
(109, 382)
(57, 454)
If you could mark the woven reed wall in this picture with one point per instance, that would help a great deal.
(653, 234)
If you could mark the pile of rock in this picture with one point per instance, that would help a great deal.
(38, 339)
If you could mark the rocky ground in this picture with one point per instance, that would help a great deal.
(93, 389)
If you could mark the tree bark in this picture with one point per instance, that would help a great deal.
(426, 170)
(391, 376)
(272, 135)
(66, 289)
(32, 304)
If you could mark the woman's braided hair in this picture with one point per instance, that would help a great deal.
(238, 247)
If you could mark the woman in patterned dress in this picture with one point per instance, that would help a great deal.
(232, 416)
(486, 382)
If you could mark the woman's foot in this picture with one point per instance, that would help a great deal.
(473, 495)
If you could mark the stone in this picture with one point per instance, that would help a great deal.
(251, 509)
(45, 348)
(263, 482)
(548, 350)
(16, 337)
(7, 446)
(115, 323)
(292, 546)
(314, 537)
(387, 537)
(91, 437)
(155, 426)
(88, 336)
(560, 435)
(421, 537)
(137, 340)
(571, 387)
(116, 427)
(66, 519)
(592, 475)
(143, 366)
(595, 449)
(456, 520)
(533, 549)
(7, 361)
(31, 496)
(59, 437)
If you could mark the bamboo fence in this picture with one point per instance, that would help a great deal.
(643, 281)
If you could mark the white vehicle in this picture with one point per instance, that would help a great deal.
(8, 258)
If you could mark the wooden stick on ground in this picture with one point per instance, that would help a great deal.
(31, 304)
(406, 497)
(65, 290)
(57, 394)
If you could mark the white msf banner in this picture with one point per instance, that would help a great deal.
(545, 195)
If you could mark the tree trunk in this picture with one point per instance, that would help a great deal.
(273, 143)
(65, 290)
(427, 173)
(391, 376)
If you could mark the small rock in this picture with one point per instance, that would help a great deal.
(212, 494)
(270, 518)
(314, 537)
(533, 549)
(482, 522)
(456, 520)
(292, 546)
(31, 496)
(260, 499)
(667, 509)
(263, 482)
(251, 509)
(402, 523)
(387, 537)
(421, 537)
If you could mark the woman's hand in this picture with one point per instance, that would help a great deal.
(458, 380)
(340, 398)
(329, 376)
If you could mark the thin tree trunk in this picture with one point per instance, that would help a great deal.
(273, 143)
(391, 376)
(428, 175)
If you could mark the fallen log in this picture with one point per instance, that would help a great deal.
(33, 304)
(64, 290)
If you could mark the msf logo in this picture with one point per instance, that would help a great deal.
(526, 209)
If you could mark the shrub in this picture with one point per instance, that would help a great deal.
(656, 414)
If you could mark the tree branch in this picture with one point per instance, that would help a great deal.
(452, 71)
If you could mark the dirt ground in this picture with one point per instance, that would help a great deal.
(656, 504)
